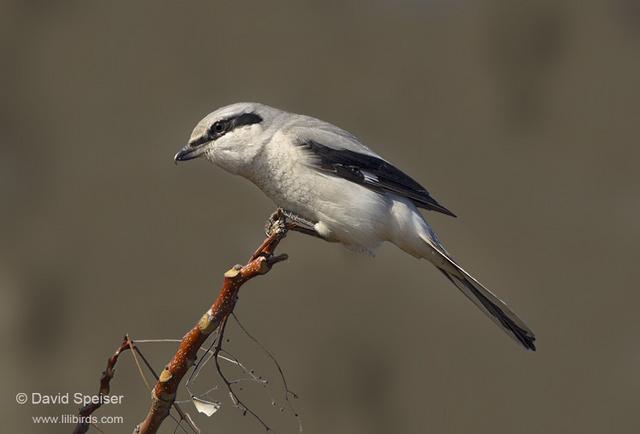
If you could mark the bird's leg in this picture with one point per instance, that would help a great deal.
(292, 222)
(300, 224)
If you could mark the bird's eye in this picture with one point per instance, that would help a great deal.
(218, 127)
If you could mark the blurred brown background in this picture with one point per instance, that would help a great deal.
(522, 117)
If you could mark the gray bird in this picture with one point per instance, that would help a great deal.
(349, 194)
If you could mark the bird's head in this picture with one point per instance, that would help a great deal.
(231, 136)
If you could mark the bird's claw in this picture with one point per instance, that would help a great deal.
(277, 222)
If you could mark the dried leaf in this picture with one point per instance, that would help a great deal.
(206, 407)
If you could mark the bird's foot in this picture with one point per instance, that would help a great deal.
(275, 223)
(282, 219)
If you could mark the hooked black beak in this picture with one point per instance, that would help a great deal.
(189, 153)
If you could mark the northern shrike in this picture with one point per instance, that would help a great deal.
(324, 175)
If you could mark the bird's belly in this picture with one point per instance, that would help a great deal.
(343, 211)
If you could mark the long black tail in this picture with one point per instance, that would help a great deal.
(495, 308)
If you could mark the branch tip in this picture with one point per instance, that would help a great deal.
(232, 272)
(278, 258)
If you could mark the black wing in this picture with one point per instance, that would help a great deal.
(373, 173)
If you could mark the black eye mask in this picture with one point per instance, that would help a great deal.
(222, 127)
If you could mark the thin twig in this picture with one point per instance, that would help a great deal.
(232, 394)
(287, 391)
(137, 362)
(85, 412)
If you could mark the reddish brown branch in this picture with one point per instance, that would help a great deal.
(165, 390)
(85, 412)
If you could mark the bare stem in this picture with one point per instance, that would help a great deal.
(83, 425)
(164, 393)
